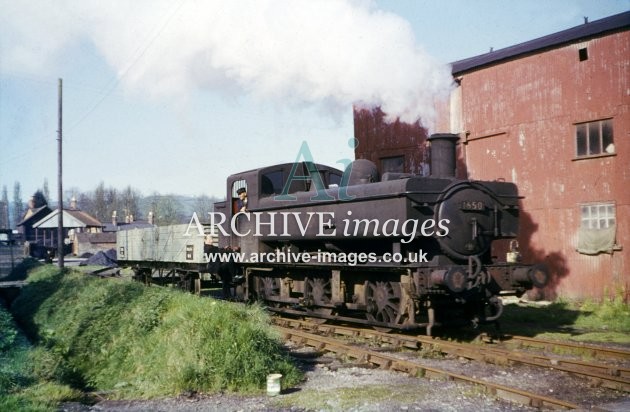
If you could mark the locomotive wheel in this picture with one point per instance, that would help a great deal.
(267, 287)
(317, 291)
(383, 303)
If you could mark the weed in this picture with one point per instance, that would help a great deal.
(137, 341)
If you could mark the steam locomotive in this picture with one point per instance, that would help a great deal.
(396, 251)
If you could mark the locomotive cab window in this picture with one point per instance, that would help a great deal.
(594, 138)
(271, 183)
(239, 195)
(334, 179)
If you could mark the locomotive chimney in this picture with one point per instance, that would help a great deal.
(443, 154)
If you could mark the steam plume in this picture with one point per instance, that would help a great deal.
(336, 53)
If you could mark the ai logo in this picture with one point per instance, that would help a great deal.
(312, 175)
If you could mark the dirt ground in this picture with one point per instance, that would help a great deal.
(334, 386)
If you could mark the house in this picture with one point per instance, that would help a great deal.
(32, 216)
(75, 221)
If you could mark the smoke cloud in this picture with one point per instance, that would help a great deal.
(336, 53)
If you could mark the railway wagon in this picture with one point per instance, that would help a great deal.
(170, 254)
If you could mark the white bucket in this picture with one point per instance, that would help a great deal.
(273, 384)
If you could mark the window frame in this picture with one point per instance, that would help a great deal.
(387, 159)
(584, 142)
(597, 220)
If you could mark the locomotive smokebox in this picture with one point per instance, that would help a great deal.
(443, 154)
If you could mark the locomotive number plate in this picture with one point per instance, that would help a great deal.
(472, 205)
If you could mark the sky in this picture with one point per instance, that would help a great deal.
(173, 96)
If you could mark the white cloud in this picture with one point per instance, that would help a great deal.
(336, 53)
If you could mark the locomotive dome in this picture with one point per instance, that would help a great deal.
(362, 171)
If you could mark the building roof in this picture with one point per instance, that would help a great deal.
(72, 218)
(34, 214)
(94, 238)
(139, 224)
(617, 22)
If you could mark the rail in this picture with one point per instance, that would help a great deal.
(417, 369)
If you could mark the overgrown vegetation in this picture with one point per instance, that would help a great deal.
(128, 340)
(605, 321)
(20, 386)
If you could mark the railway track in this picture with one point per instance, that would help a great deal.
(596, 352)
(414, 368)
(605, 375)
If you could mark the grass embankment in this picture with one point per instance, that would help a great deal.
(20, 387)
(605, 321)
(127, 340)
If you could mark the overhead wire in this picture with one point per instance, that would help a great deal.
(106, 92)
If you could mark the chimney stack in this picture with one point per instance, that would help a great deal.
(443, 154)
(73, 203)
(114, 219)
(151, 218)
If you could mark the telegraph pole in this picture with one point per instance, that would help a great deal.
(60, 242)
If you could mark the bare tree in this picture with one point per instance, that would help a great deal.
(111, 202)
(203, 206)
(165, 209)
(45, 190)
(85, 202)
(99, 203)
(4, 208)
(18, 204)
(128, 200)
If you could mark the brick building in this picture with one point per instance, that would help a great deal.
(552, 115)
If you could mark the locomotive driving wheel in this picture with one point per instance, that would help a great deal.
(267, 287)
(383, 303)
(318, 293)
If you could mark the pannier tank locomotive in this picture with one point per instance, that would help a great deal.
(397, 251)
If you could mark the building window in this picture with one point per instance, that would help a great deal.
(583, 54)
(393, 164)
(597, 229)
(598, 215)
(594, 138)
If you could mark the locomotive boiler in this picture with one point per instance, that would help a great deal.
(392, 251)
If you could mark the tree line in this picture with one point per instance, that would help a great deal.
(105, 202)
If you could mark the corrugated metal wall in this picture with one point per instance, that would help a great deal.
(519, 121)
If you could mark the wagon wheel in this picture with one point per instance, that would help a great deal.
(383, 303)
(185, 282)
(267, 287)
(317, 293)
